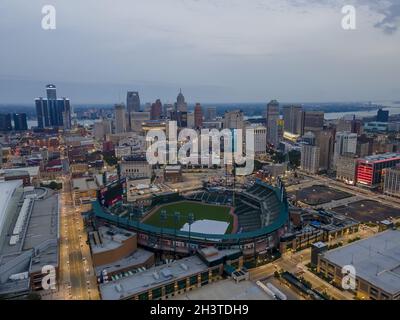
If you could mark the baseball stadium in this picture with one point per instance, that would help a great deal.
(251, 219)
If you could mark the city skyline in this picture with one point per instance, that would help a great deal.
(217, 52)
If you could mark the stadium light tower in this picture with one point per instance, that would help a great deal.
(177, 217)
(163, 218)
(190, 222)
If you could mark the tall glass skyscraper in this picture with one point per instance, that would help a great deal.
(53, 112)
(20, 123)
(132, 105)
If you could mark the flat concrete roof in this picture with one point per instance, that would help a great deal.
(212, 254)
(84, 184)
(146, 280)
(43, 223)
(109, 241)
(376, 259)
(33, 171)
(139, 257)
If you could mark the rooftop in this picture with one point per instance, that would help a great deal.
(84, 184)
(7, 189)
(110, 239)
(33, 171)
(376, 259)
(137, 258)
(153, 277)
(381, 157)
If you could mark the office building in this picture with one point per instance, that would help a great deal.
(137, 119)
(190, 120)
(20, 123)
(211, 113)
(132, 105)
(293, 117)
(120, 118)
(376, 261)
(53, 112)
(5, 122)
(382, 116)
(370, 170)
(391, 181)
(135, 167)
(325, 142)
(310, 158)
(101, 129)
(313, 121)
(180, 105)
(376, 127)
(346, 168)
(233, 119)
(198, 116)
(51, 92)
(156, 110)
(345, 142)
(272, 117)
(132, 101)
(260, 140)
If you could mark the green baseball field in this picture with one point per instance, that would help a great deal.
(200, 211)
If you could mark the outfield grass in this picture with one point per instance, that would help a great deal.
(200, 211)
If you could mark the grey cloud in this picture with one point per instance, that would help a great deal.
(390, 9)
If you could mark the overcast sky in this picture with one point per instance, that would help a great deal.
(216, 50)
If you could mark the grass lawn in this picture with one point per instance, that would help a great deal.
(199, 210)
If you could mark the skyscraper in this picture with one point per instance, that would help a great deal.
(198, 116)
(233, 119)
(20, 123)
(382, 115)
(120, 119)
(5, 122)
(272, 117)
(180, 105)
(293, 117)
(313, 121)
(156, 110)
(345, 143)
(325, 142)
(53, 112)
(51, 92)
(310, 158)
(211, 113)
(132, 105)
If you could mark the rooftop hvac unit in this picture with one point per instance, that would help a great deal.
(184, 267)
(156, 276)
(118, 287)
(166, 273)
